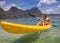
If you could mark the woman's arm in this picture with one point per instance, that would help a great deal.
(39, 18)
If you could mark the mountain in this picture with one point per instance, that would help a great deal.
(19, 13)
(1, 9)
(35, 11)
(2, 13)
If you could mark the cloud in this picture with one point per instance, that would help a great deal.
(55, 10)
(58, 6)
(48, 2)
(7, 7)
(2, 3)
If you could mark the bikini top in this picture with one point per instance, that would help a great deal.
(47, 20)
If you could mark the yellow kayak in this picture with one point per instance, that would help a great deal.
(21, 29)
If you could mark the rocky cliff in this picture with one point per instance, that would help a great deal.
(19, 13)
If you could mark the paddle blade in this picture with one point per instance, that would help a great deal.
(32, 15)
(54, 25)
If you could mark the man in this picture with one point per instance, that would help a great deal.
(45, 20)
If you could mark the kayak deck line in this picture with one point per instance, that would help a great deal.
(21, 28)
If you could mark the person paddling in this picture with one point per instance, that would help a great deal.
(45, 20)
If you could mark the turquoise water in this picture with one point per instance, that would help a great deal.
(47, 36)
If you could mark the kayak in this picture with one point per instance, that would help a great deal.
(21, 28)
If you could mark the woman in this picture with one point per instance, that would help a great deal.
(45, 20)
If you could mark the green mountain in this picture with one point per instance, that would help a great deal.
(19, 13)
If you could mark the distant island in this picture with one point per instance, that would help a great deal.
(19, 13)
(14, 12)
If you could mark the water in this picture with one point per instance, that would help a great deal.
(47, 36)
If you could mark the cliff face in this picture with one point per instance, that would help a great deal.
(2, 14)
(35, 11)
(19, 13)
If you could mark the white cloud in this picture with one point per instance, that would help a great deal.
(55, 10)
(6, 8)
(48, 2)
(58, 6)
(13, 5)
(2, 3)
(49, 11)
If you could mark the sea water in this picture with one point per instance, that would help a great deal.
(47, 36)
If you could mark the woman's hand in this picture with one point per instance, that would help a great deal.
(38, 18)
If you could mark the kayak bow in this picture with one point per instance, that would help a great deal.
(21, 29)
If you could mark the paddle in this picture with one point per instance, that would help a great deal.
(32, 15)
(36, 17)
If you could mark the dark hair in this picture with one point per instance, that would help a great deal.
(45, 15)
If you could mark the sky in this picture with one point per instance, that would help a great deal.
(45, 6)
